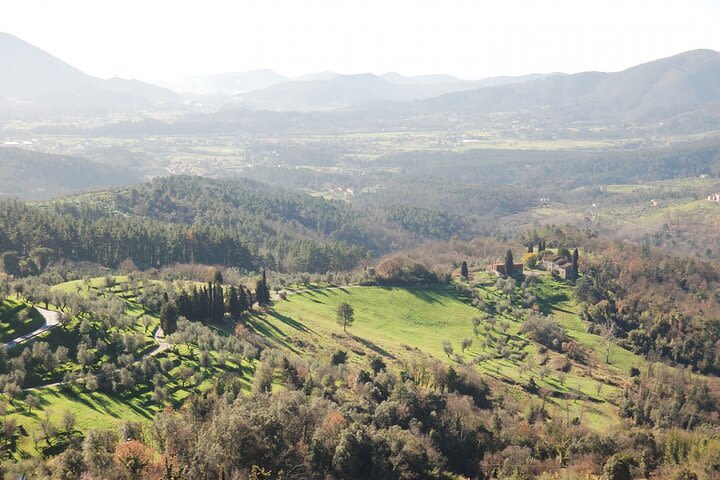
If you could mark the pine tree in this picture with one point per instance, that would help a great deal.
(464, 270)
(530, 248)
(218, 278)
(345, 315)
(509, 264)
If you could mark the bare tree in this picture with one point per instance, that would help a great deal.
(607, 330)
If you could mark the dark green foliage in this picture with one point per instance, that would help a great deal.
(575, 268)
(262, 292)
(37, 175)
(545, 330)
(168, 318)
(509, 264)
(10, 262)
(531, 386)
(377, 364)
(339, 357)
(666, 398)
(345, 315)
(282, 222)
(87, 234)
(353, 455)
(618, 467)
(652, 300)
(423, 221)
(290, 374)
(464, 269)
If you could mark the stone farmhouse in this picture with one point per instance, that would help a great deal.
(559, 266)
(498, 268)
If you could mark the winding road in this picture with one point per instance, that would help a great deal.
(52, 320)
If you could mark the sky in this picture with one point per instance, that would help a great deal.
(156, 40)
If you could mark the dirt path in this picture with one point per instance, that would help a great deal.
(52, 320)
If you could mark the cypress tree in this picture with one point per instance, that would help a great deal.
(233, 302)
(262, 292)
(184, 304)
(243, 299)
(218, 278)
(509, 264)
(210, 302)
(575, 257)
(219, 304)
(464, 269)
(168, 318)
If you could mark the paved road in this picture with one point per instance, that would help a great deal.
(52, 320)
(163, 345)
(158, 336)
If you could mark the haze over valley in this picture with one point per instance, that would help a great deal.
(360, 249)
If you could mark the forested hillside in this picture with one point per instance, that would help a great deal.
(36, 176)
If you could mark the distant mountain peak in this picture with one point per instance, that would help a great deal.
(36, 82)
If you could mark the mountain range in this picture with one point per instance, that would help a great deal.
(682, 90)
(35, 82)
(680, 83)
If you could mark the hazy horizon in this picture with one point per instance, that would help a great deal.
(463, 38)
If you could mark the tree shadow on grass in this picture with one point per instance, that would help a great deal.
(373, 346)
(290, 322)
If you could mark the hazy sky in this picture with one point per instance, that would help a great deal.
(163, 39)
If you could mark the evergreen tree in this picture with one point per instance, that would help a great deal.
(209, 308)
(509, 264)
(218, 303)
(218, 278)
(262, 292)
(530, 248)
(168, 318)
(234, 303)
(243, 299)
(184, 304)
(464, 269)
(575, 257)
(195, 304)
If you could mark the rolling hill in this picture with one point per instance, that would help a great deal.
(37, 176)
(662, 88)
(328, 90)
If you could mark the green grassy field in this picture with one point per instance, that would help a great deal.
(95, 409)
(397, 322)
